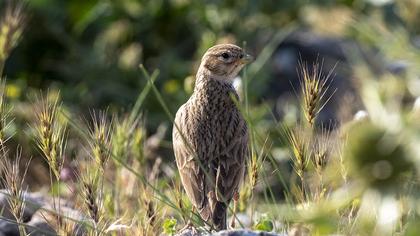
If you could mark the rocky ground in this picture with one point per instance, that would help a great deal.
(240, 232)
(39, 219)
(37, 215)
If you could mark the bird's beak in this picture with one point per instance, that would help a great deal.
(247, 59)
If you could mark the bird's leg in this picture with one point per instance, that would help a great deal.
(235, 204)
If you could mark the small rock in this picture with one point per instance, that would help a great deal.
(299, 230)
(244, 219)
(244, 232)
(237, 232)
(188, 232)
(39, 225)
(45, 220)
(8, 228)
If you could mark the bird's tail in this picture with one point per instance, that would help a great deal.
(219, 216)
(205, 212)
(215, 214)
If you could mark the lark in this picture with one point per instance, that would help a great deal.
(210, 135)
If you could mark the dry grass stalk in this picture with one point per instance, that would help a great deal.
(100, 139)
(298, 146)
(343, 165)
(4, 114)
(177, 192)
(50, 135)
(314, 87)
(299, 150)
(149, 216)
(13, 181)
(254, 170)
(68, 228)
(256, 165)
(12, 24)
(154, 174)
(123, 136)
(151, 212)
(322, 148)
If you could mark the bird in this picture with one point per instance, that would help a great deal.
(210, 135)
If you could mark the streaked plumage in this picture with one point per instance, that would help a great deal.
(211, 161)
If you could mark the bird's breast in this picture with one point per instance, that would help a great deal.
(214, 121)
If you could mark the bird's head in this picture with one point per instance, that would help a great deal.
(224, 61)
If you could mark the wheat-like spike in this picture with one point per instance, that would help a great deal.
(256, 164)
(299, 151)
(90, 200)
(91, 193)
(122, 136)
(13, 181)
(100, 139)
(298, 146)
(314, 86)
(254, 172)
(322, 148)
(12, 24)
(67, 228)
(4, 117)
(92, 196)
(50, 135)
(4, 113)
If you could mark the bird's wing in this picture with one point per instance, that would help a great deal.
(231, 169)
(192, 176)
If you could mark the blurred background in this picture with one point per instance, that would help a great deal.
(90, 50)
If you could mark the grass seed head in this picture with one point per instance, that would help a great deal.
(12, 24)
(50, 133)
(92, 196)
(100, 139)
(13, 182)
(322, 147)
(314, 87)
(127, 133)
(4, 113)
(297, 143)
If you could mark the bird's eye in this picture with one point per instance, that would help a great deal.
(225, 55)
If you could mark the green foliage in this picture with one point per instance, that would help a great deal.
(377, 157)
(264, 223)
(169, 226)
